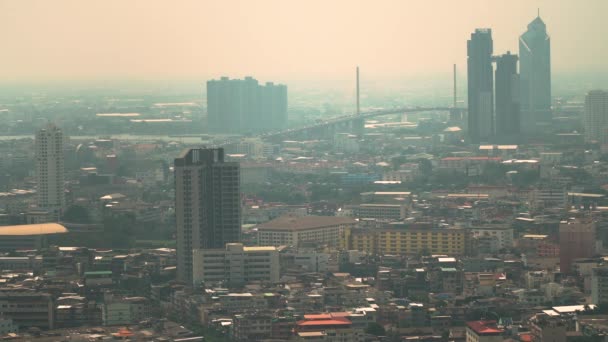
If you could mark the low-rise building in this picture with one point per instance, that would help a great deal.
(408, 239)
(28, 308)
(235, 265)
(293, 231)
(484, 331)
(381, 211)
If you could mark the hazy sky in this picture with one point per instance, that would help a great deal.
(279, 39)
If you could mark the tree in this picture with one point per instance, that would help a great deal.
(77, 214)
(118, 230)
(375, 329)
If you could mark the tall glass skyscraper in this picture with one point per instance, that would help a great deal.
(507, 99)
(535, 75)
(480, 86)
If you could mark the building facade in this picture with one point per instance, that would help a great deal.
(28, 309)
(507, 98)
(483, 331)
(577, 239)
(381, 211)
(595, 117)
(207, 204)
(294, 231)
(535, 75)
(407, 240)
(236, 265)
(244, 106)
(50, 167)
(599, 286)
(480, 86)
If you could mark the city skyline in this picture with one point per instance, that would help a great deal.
(192, 44)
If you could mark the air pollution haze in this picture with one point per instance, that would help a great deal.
(302, 40)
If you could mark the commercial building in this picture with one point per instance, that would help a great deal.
(484, 331)
(507, 98)
(50, 167)
(381, 211)
(244, 106)
(535, 75)
(305, 260)
(235, 265)
(27, 308)
(407, 239)
(577, 239)
(480, 86)
(207, 204)
(294, 231)
(595, 118)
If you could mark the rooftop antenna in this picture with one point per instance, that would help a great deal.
(358, 108)
(455, 99)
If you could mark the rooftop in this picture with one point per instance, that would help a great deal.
(485, 327)
(335, 321)
(304, 222)
(33, 229)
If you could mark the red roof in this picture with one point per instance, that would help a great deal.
(322, 322)
(329, 315)
(525, 337)
(317, 316)
(484, 327)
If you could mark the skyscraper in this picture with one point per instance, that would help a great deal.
(244, 106)
(207, 204)
(595, 118)
(50, 168)
(507, 98)
(535, 75)
(480, 86)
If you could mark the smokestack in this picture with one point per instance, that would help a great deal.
(358, 108)
(455, 98)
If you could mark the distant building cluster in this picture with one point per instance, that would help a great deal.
(504, 103)
(245, 107)
(367, 227)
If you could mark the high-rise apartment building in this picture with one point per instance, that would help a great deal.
(244, 106)
(480, 86)
(207, 204)
(577, 239)
(50, 168)
(595, 118)
(507, 98)
(599, 285)
(535, 75)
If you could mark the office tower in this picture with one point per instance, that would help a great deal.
(507, 98)
(244, 106)
(595, 118)
(481, 86)
(535, 75)
(50, 168)
(207, 204)
(577, 239)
